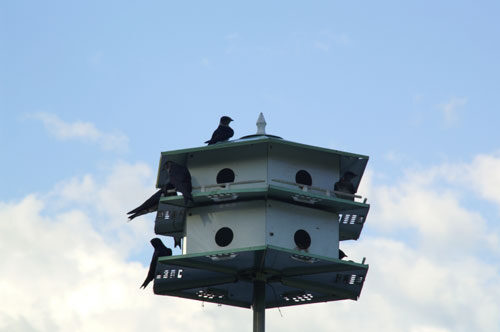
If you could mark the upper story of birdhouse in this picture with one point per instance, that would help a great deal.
(249, 163)
(268, 167)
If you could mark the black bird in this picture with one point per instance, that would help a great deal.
(223, 132)
(345, 185)
(151, 204)
(342, 254)
(160, 250)
(180, 178)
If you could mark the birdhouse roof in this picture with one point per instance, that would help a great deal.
(256, 139)
(355, 163)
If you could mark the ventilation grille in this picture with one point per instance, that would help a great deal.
(351, 219)
(297, 297)
(210, 294)
(349, 279)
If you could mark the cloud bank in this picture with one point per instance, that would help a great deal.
(66, 260)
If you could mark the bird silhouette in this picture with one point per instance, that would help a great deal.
(151, 204)
(344, 185)
(223, 131)
(160, 251)
(180, 178)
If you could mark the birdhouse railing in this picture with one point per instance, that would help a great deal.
(226, 185)
(326, 192)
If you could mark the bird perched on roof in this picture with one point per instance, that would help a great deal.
(180, 178)
(160, 250)
(223, 132)
(344, 185)
(151, 204)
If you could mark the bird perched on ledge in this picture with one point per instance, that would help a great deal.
(223, 132)
(160, 250)
(344, 185)
(180, 178)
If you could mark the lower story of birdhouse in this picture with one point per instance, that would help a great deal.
(228, 277)
(244, 224)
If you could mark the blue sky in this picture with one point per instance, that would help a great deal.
(92, 92)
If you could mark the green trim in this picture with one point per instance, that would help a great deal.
(196, 255)
(324, 258)
(230, 191)
(273, 192)
(179, 200)
(180, 260)
(263, 140)
(318, 196)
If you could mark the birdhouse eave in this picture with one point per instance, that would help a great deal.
(257, 140)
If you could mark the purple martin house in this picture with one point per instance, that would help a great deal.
(265, 227)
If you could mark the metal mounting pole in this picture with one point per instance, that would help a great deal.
(259, 306)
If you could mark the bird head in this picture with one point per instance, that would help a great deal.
(225, 120)
(156, 243)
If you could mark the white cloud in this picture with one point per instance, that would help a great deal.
(394, 156)
(60, 273)
(108, 199)
(84, 131)
(62, 270)
(482, 175)
(450, 110)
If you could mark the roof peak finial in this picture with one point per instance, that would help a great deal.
(261, 125)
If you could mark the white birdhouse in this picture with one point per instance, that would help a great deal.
(264, 190)
(265, 225)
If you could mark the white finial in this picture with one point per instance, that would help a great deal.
(261, 125)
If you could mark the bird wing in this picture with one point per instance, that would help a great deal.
(222, 133)
(149, 203)
(179, 174)
(152, 269)
(181, 179)
(215, 134)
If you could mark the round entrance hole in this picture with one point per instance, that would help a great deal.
(225, 175)
(303, 177)
(224, 236)
(302, 239)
